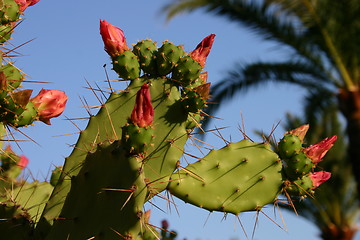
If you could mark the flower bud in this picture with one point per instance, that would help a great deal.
(143, 112)
(202, 50)
(114, 39)
(317, 151)
(49, 104)
(318, 178)
(300, 132)
(23, 4)
(23, 162)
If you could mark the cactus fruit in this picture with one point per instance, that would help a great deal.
(13, 77)
(146, 52)
(167, 57)
(9, 11)
(127, 65)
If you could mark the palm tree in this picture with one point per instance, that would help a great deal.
(322, 36)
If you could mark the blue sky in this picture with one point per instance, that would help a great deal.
(67, 51)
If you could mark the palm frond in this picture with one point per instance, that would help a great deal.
(246, 77)
(181, 6)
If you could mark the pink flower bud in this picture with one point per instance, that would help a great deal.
(317, 151)
(23, 162)
(49, 104)
(203, 49)
(318, 178)
(300, 132)
(143, 113)
(113, 38)
(23, 4)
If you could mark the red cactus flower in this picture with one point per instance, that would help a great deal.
(300, 131)
(49, 104)
(143, 113)
(318, 178)
(202, 50)
(317, 151)
(23, 162)
(23, 4)
(113, 38)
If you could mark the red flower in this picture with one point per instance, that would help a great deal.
(23, 162)
(143, 113)
(203, 49)
(318, 178)
(300, 132)
(114, 39)
(317, 151)
(23, 4)
(49, 104)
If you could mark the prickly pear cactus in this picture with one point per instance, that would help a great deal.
(130, 150)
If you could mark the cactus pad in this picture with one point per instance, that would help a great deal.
(242, 176)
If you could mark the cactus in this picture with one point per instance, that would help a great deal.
(130, 150)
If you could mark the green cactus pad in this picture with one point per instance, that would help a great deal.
(240, 177)
(15, 223)
(167, 57)
(192, 101)
(186, 71)
(299, 187)
(9, 11)
(127, 65)
(146, 52)
(161, 158)
(298, 165)
(31, 198)
(194, 120)
(13, 76)
(5, 32)
(14, 105)
(106, 198)
(27, 117)
(136, 139)
(289, 145)
(55, 175)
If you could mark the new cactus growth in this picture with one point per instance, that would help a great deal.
(130, 150)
